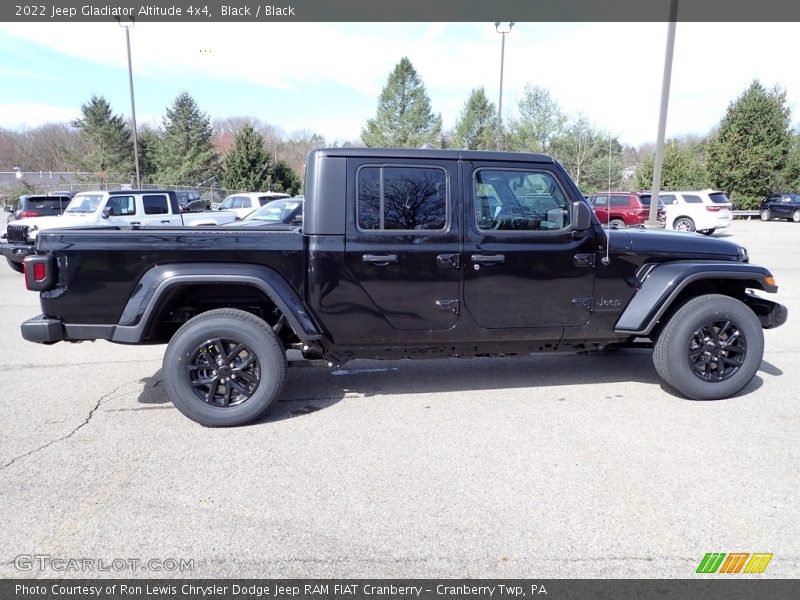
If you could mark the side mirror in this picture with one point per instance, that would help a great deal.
(9, 209)
(581, 217)
(106, 212)
(297, 220)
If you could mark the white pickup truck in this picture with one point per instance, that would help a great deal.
(123, 208)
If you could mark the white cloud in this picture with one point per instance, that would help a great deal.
(32, 114)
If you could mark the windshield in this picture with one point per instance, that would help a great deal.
(276, 211)
(84, 204)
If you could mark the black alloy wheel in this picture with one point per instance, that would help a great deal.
(717, 351)
(224, 372)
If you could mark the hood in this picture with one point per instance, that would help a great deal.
(56, 221)
(675, 243)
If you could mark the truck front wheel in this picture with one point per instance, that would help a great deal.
(224, 367)
(711, 348)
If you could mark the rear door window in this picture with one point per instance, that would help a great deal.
(619, 201)
(402, 198)
(155, 204)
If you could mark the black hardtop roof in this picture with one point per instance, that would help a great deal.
(433, 153)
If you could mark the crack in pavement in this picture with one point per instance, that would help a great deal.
(85, 422)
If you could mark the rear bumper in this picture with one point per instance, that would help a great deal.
(42, 330)
(16, 252)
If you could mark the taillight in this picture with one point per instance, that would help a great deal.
(40, 272)
(26, 214)
(716, 208)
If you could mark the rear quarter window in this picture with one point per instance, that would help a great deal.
(692, 199)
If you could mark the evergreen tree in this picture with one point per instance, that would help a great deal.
(748, 155)
(404, 118)
(476, 127)
(284, 179)
(185, 155)
(247, 166)
(681, 169)
(149, 141)
(540, 120)
(107, 143)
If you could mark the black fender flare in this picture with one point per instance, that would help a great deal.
(664, 282)
(158, 280)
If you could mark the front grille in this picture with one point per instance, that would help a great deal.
(17, 234)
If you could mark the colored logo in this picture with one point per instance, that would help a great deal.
(736, 562)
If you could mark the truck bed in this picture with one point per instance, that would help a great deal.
(103, 266)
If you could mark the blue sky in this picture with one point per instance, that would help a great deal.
(326, 77)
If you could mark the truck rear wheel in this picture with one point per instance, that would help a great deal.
(224, 367)
(711, 348)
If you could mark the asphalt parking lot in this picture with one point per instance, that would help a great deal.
(543, 466)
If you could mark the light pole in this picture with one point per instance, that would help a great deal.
(502, 30)
(652, 220)
(127, 29)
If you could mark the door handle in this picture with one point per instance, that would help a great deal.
(165, 221)
(448, 260)
(488, 259)
(135, 223)
(380, 260)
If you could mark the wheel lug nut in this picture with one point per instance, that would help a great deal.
(232, 365)
(233, 376)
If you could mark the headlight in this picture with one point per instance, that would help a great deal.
(743, 256)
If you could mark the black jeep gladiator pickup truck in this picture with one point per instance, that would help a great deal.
(405, 254)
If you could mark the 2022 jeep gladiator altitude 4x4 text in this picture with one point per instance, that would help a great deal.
(405, 254)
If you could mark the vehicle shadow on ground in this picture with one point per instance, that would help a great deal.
(309, 389)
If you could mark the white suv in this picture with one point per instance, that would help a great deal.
(705, 211)
(246, 202)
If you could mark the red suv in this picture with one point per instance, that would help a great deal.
(628, 209)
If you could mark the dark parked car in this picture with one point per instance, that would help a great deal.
(277, 212)
(185, 197)
(628, 209)
(44, 205)
(781, 206)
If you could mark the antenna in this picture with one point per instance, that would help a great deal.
(606, 260)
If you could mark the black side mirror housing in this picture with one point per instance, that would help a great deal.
(106, 212)
(581, 217)
(9, 209)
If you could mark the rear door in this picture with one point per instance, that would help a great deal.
(402, 243)
(156, 212)
(522, 267)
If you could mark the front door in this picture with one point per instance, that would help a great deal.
(402, 244)
(522, 267)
